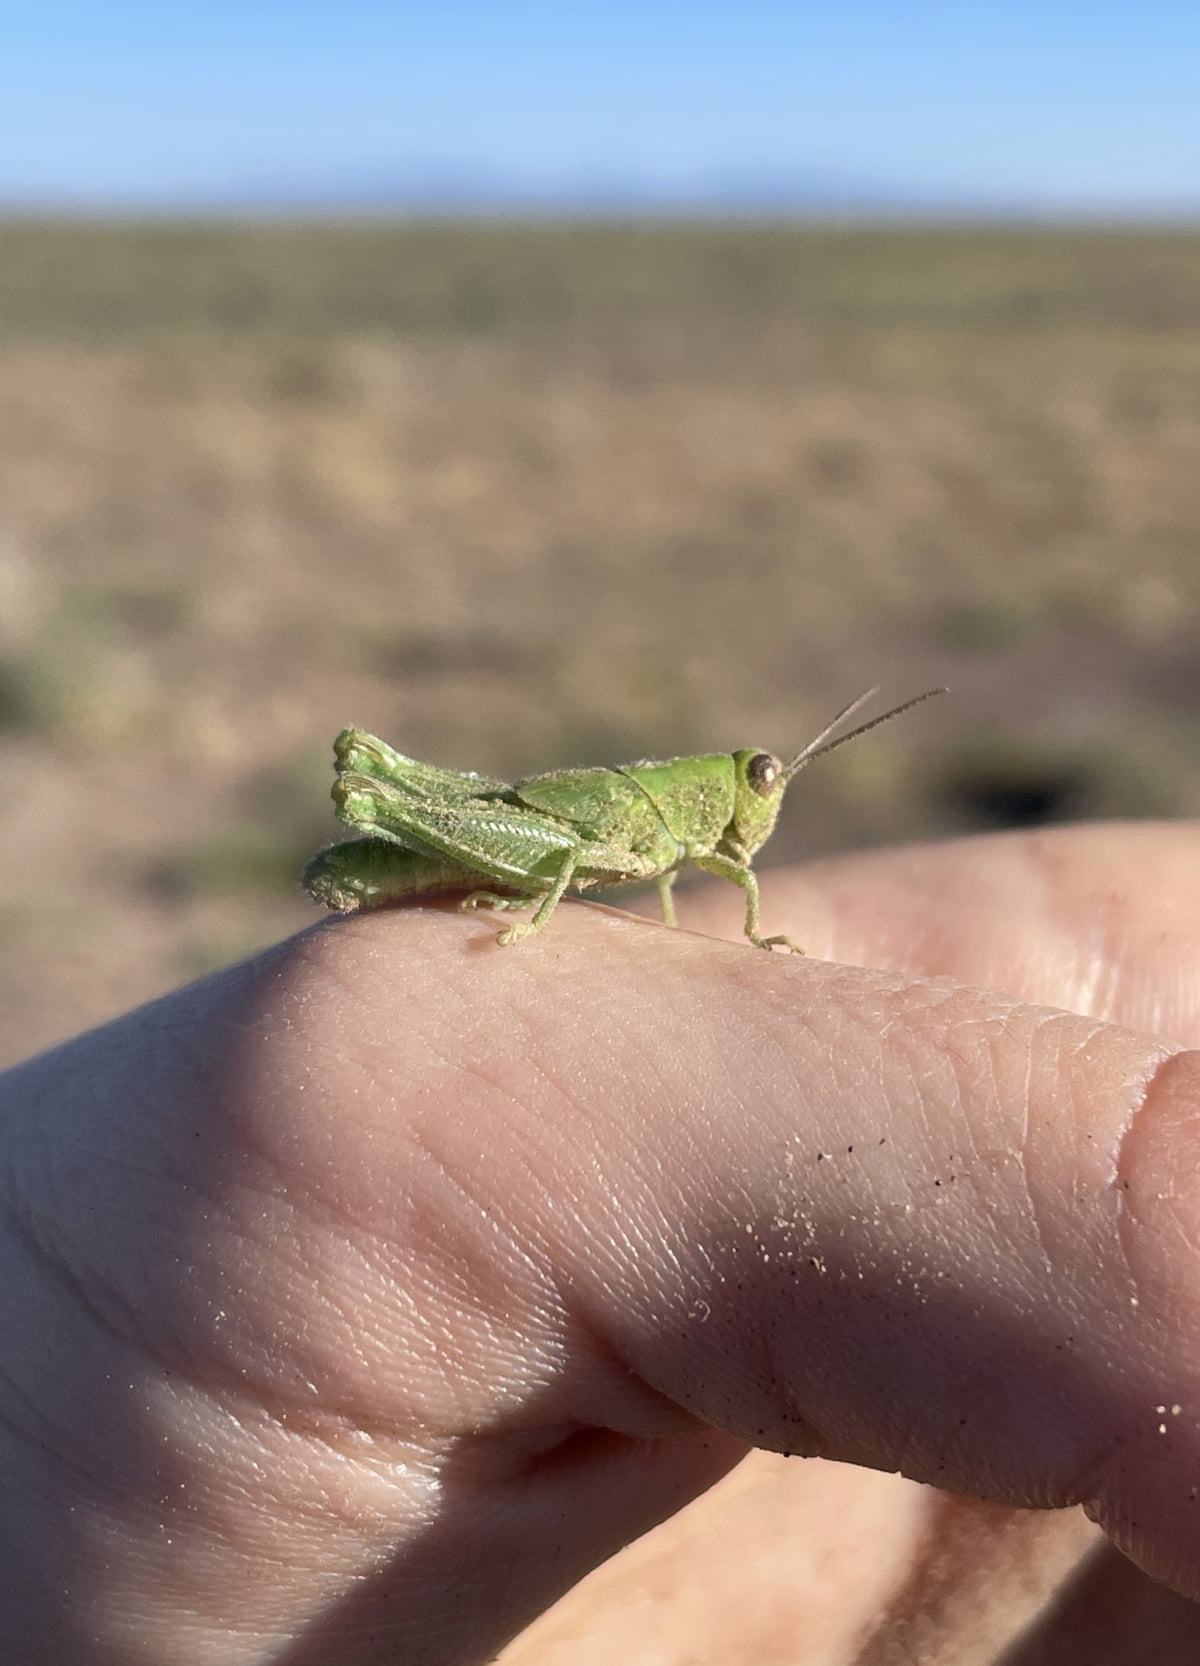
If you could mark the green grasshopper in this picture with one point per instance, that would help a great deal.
(428, 829)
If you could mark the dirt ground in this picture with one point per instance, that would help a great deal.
(517, 497)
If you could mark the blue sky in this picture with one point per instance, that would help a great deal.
(1027, 103)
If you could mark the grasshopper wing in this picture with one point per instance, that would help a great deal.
(618, 823)
(597, 804)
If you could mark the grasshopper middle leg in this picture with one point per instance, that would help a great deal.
(725, 868)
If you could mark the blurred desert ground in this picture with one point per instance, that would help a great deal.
(518, 496)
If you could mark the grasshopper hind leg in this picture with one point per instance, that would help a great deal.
(371, 873)
(546, 907)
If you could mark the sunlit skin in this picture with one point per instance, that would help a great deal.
(365, 1296)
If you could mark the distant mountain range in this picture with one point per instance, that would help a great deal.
(452, 191)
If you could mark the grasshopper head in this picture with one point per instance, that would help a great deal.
(759, 783)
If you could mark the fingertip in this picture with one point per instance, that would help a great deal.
(1147, 1492)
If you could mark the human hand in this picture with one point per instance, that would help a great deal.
(389, 1282)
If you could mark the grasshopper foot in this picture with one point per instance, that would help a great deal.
(514, 934)
(783, 942)
(492, 899)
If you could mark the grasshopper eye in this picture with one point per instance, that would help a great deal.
(762, 772)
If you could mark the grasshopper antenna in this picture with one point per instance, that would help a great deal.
(817, 748)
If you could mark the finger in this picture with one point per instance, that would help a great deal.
(932, 1217)
(539, 1221)
(1100, 918)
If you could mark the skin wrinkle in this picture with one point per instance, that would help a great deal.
(1045, 1037)
(75, 1468)
(1125, 1159)
(663, 1073)
(1098, 989)
(234, 1355)
(353, 978)
(363, 1511)
(1022, 1141)
(102, 1314)
(1096, 977)
(491, 1215)
(351, 1480)
(716, 1093)
(334, 1312)
(50, 1258)
(965, 1067)
(1025, 1148)
(1100, 965)
(333, 1545)
(555, 1081)
(413, 1134)
(566, 1306)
